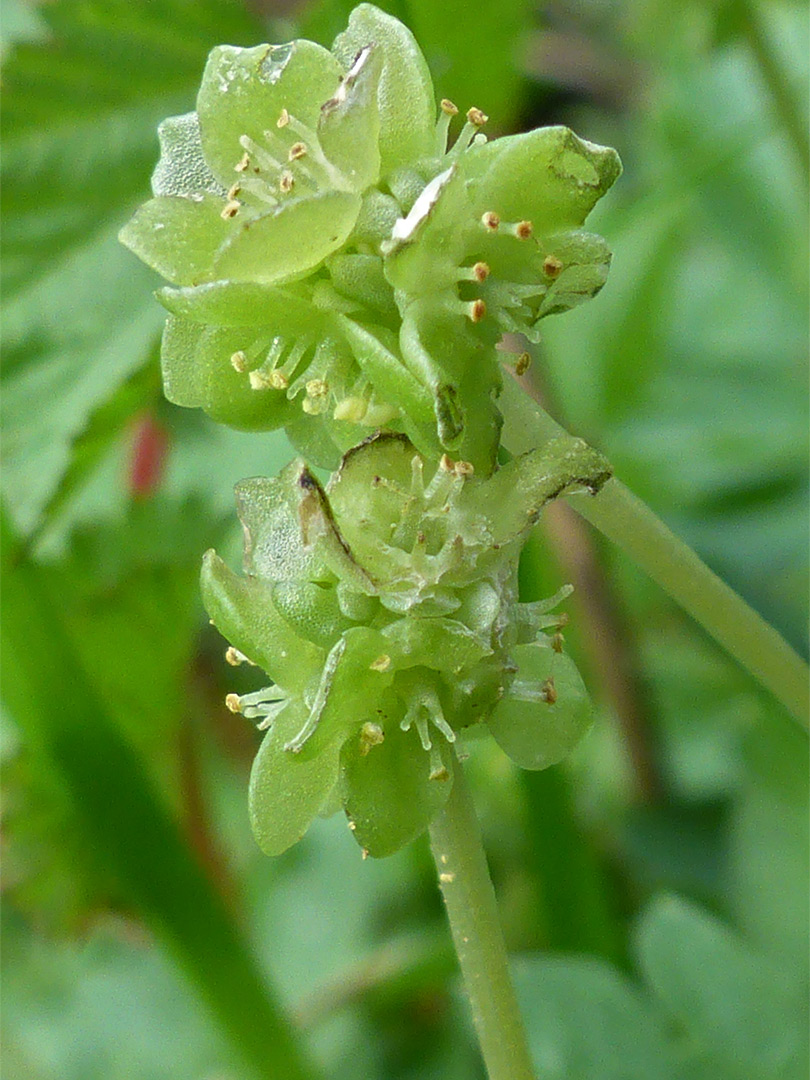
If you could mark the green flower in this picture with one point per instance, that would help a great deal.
(335, 267)
(384, 610)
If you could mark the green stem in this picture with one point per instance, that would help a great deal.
(455, 839)
(785, 99)
(630, 524)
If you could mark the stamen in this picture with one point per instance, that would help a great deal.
(231, 209)
(491, 221)
(297, 151)
(286, 182)
(448, 108)
(548, 691)
(438, 770)
(234, 190)
(479, 272)
(234, 657)
(552, 266)
(243, 164)
(239, 361)
(370, 735)
(476, 117)
(283, 119)
(522, 363)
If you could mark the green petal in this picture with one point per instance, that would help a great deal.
(405, 95)
(548, 176)
(243, 611)
(442, 644)
(289, 241)
(349, 126)
(355, 675)
(534, 733)
(388, 795)
(178, 236)
(244, 90)
(585, 261)
(386, 371)
(312, 610)
(274, 546)
(229, 303)
(198, 373)
(182, 169)
(511, 499)
(286, 792)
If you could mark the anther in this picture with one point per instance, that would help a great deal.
(552, 266)
(259, 380)
(446, 463)
(317, 388)
(477, 311)
(382, 663)
(278, 380)
(286, 182)
(243, 164)
(352, 825)
(283, 119)
(233, 703)
(475, 116)
(231, 209)
(481, 271)
(491, 221)
(239, 362)
(370, 735)
(548, 691)
(522, 363)
(448, 107)
(463, 469)
(234, 657)
(523, 230)
(234, 190)
(557, 642)
(296, 151)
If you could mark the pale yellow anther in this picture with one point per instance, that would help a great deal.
(286, 182)
(523, 230)
(370, 735)
(552, 266)
(317, 388)
(475, 116)
(448, 107)
(296, 151)
(522, 363)
(446, 463)
(239, 362)
(352, 825)
(233, 656)
(278, 380)
(490, 220)
(382, 663)
(364, 853)
(233, 703)
(235, 189)
(464, 469)
(231, 209)
(259, 380)
(283, 119)
(478, 310)
(243, 164)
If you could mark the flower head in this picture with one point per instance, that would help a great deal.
(337, 265)
(384, 610)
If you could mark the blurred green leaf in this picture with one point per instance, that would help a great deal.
(734, 1008)
(587, 1022)
(135, 835)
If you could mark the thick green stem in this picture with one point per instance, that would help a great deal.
(455, 839)
(630, 524)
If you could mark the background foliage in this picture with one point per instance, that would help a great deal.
(654, 886)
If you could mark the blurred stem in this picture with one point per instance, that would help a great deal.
(785, 99)
(630, 524)
(455, 839)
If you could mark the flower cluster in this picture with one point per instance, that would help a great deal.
(384, 609)
(336, 266)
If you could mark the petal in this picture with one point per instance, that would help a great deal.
(179, 236)
(405, 95)
(289, 241)
(244, 91)
(532, 731)
(229, 303)
(287, 792)
(243, 611)
(198, 373)
(349, 125)
(388, 794)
